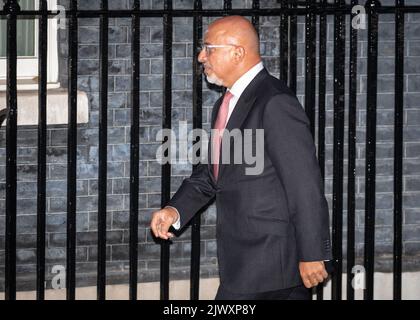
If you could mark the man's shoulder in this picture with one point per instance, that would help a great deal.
(273, 86)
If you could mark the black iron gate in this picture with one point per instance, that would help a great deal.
(288, 72)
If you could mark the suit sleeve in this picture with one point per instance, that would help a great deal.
(291, 149)
(194, 193)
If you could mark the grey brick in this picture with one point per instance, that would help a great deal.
(26, 155)
(57, 171)
(148, 151)
(58, 255)
(411, 216)
(411, 233)
(412, 31)
(154, 169)
(182, 66)
(117, 34)
(88, 67)
(145, 67)
(411, 166)
(411, 200)
(209, 216)
(116, 67)
(383, 151)
(154, 50)
(156, 99)
(58, 222)
(181, 99)
(119, 252)
(123, 51)
(149, 251)
(26, 224)
(182, 33)
(93, 255)
(25, 190)
(26, 172)
(156, 66)
(413, 117)
(412, 183)
(120, 186)
(151, 116)
(180, 50)
(411, 132)
(93, 221)
(88, 34)
(151, 82)
(88, 51)
(210, 248)
(411, 65)
(120, 220)
(154, 200)
(412, 150)
(121, 117)
(411, 248)
(414, 48)
(89, 83)
(25, 256)
(122, 83)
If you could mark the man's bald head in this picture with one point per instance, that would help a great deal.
(232, 49)
(239, 31)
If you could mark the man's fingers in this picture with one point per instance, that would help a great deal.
(307, 283)
(319, 277)
(154, 226)
(160, 225)
(162, 231)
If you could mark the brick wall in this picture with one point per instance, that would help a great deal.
(151, 67)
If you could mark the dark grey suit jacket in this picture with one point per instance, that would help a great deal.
(269, 222)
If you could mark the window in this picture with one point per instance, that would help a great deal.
(27, 49)
(27, 72)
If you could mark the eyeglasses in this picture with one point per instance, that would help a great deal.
(208, 47)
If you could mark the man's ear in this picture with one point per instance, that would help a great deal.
(238, 54)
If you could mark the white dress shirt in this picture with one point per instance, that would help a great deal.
(237, 89)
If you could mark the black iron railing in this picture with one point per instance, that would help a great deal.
(288, 13)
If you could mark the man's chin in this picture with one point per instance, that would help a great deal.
(214, 80)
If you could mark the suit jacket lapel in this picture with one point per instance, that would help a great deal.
(242, 108)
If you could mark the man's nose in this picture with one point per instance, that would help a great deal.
(202, 56)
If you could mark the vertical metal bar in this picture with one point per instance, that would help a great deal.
(197, 123)
(321, 105)
(102, 165)
(134, 149)
(310, 67)
(12, 7)
(351, 183)
(42, 149)
(293, 49)
(337, 232)
(227, 5)
(166, 124)
(72, 154)
(398, 148)
(256, 18)
(372, 75)
(284, 43)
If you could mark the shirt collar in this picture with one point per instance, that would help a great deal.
(240, 85)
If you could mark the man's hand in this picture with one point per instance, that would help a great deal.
(162, 221)
(312, 273)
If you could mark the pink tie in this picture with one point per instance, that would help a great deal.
(219, 126)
